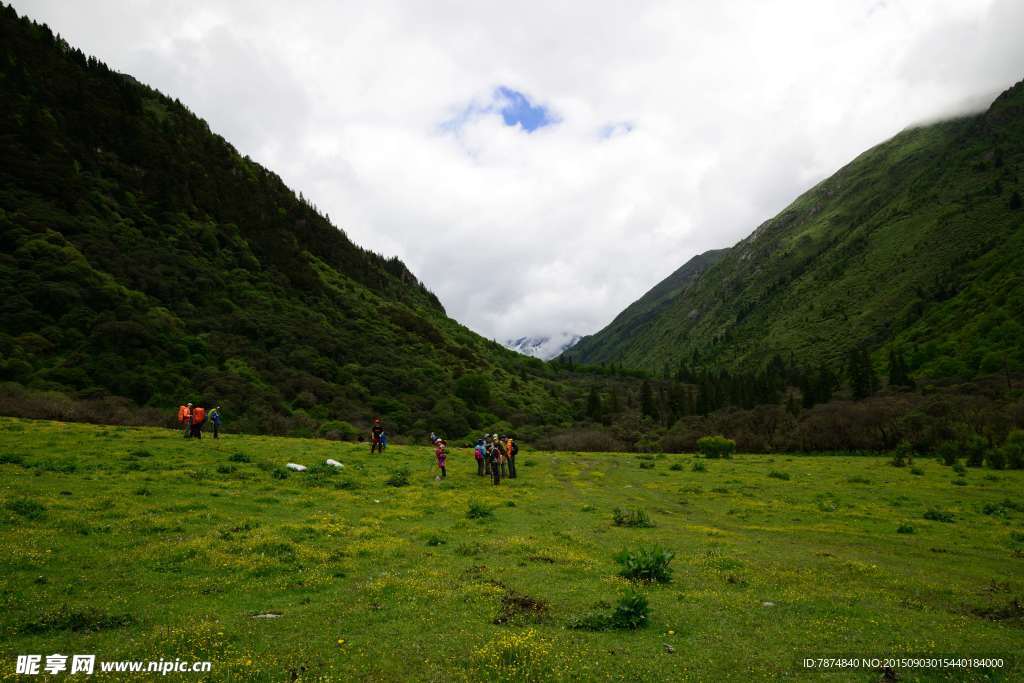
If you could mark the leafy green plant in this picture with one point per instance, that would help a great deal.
(939, 516)
(631, 612)
(917, 471)
(948, 452)
(904, 529)
(631, 518)
(27, 508)
(676, 466)
(648, 564)
(398, 478)
(716, 446)
(239, 457)
(478, 510)
(1013, 449)
(280, 473)
(698, 466)
(775, 474)
(903, 455)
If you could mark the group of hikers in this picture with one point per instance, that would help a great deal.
(193, 418)
(495, 456)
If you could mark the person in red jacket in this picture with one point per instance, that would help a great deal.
(377, 437)
(441, 451)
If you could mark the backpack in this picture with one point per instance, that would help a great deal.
(182, 413)
(198, 414)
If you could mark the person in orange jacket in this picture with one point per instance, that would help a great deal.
(198, 418)
(185, 419)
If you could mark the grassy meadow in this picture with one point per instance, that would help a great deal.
(133, 543)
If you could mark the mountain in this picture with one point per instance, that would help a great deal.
(915, 245)
(145, 263)
(543, 347)
(627, 327)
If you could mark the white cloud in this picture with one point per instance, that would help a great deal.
(682, 125)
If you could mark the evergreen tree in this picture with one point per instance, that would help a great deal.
(647, 408)
(899, 375)
(594, 408)
(861, 373)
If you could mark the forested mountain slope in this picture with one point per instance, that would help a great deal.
(917, 244)
(144, 257)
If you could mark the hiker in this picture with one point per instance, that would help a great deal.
(441, 451)
(185, 419)
(198, 418)
(215, 421)
(511, 450)
(480, 455)
(496, 457)
(375, 437)
(433, 439)
(383, 440)
(503, 440)
(487, 455)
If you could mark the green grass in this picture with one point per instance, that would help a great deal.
(765, 571)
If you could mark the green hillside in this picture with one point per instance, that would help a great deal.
(917, 244)
(143, 257)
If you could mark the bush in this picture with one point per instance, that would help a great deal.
(27, 508)
(917, 471)
(478, 510)
(939, 516)
(699, 467)
(320, 475)
(239, 457)
(959, 469)
(337, 430)
(903, 455)
(996, 458)
(647, 465)
(959, 482)
(774, 474)
(1013, 449)
(142, 453)
(904, 529)
(646, 564)
(434, 540)
(975, 448)
(630, 613)
(280, 473)
(676, 466)
(949, 452)
(398, 478)
(716, 446)
(631, 518)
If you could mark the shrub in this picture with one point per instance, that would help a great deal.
(975, 448)
(939, 516)
(858, 479)
(959, 469)
(225, 469)
(631, 518)
(66, 619)
(646, 564)
(280, 473)
(699, 467)
(398, 478)
(11, 459)
(320, 475)
(716, 446)
(143, 491)
(949, 452)
(630, 613)
(337, 430)
(904, 529)
(676, 466)
(959, 482)
(1013, 449)
(434, 540)
(27, 508)
(903, 455)
(239, 457)
(647, 465)
(917, 471)
(774, 474)
(142, 453)
(478, 510)
(996, 458)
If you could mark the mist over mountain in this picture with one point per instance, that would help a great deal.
(543, 347)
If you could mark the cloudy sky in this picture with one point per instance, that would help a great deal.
(541, 165)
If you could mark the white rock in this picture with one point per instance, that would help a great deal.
(332, 462)
(297, 468)
(768, 604)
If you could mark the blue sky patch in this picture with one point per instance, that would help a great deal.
(516, 109)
